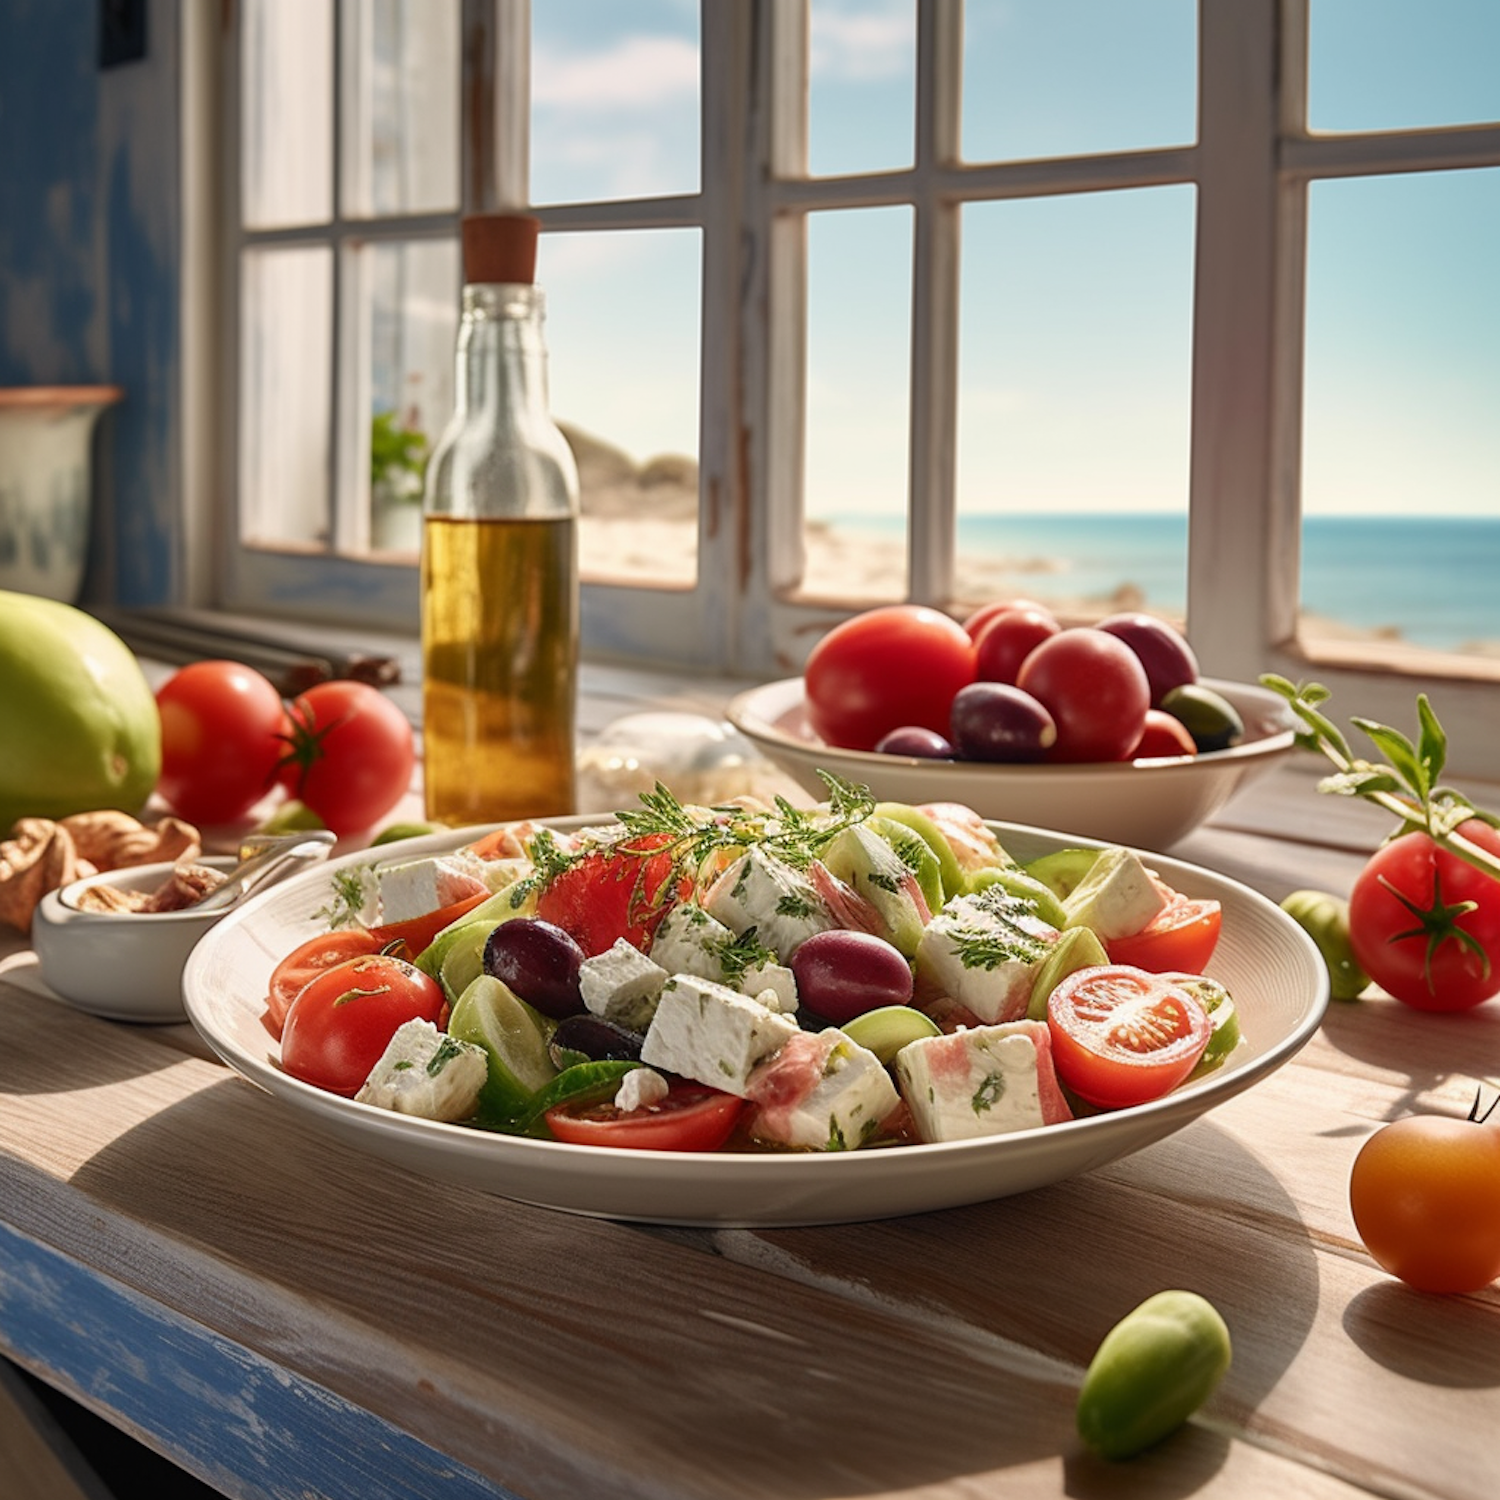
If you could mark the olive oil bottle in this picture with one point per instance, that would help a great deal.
(500, 557)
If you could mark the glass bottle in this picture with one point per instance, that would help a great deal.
(499, 574)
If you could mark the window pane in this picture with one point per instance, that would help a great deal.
(287, 154)
(1401, 446)
(286, 324)
(401, 104)
(414, 295)
(1390, 64)
(1073, 77)
(1074, 400)
(858, 379)
(862, 98)
(623, 358)
(614, 99)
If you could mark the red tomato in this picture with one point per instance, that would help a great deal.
(987, 612)
(417, 932)
(1096, 690)
(345, 1017)
(222, 738)
(1163, 736)
(1005, 641)
(690, 1118)
(897, 665)
(1182, 937)
(1121, 1036)
(612, 893)
(1423, 1196)
(306, 961)
(1409, 927)
(352, 754)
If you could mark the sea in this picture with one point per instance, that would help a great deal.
(1435, 580)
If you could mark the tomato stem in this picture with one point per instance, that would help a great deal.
(1474, 1115)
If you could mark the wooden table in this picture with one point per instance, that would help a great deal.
(285, 1317)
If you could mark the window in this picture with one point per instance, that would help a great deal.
(1109, 301)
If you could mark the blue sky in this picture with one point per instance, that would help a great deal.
(1076, 312)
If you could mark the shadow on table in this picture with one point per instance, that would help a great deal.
(836, 1361)
(1426, 1337)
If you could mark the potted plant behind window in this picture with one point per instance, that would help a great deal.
(398, 462)
(46, 485)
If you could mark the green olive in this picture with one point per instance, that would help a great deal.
(1154, 1369)
(1212, 720)
(1325, 919)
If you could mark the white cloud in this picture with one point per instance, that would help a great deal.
(863, 45)
(641, 72)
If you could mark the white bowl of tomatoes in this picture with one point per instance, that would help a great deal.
(1106, 732)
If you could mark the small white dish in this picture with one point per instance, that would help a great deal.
(125, 966)
(1276, 975)
(1148, 804)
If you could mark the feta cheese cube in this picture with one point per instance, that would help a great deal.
(425, 1072)
(821, 1091)
(689, 941)
(1117, 897)
(780, 903)
(708, 1032)
(982, 952)
(422, 885)
(622, 985)
(990, 1080)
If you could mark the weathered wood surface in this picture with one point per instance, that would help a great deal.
(284, 1316)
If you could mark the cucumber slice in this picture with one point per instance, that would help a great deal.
(514, 1038)
(949, 868)
(916, 854)
(1063, 870)
(1019, 883)
(1225, 1036)
(887, 1030)
(587, 1082)
(1078, 948)
(463, 958)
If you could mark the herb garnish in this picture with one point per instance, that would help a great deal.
(741, 954)
(351, 892)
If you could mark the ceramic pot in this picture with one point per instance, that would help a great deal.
(46, 485)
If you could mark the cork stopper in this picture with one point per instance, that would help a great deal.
(500, 247)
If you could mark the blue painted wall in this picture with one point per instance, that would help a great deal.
(90, 236)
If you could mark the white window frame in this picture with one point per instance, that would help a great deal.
(1250, 166)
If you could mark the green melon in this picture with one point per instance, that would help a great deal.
(79, 728)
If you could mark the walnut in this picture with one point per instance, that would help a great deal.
(39, 857)
(112, 840)
(187, 886)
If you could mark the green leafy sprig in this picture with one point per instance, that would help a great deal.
(1407, 783)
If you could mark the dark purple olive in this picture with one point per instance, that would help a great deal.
(912, 739)
(593, 1039)
(998, 722)
(1167, 658)
(538, 962)
(841, 974)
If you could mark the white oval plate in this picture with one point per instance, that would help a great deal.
(1270, 965)
(1147, 804)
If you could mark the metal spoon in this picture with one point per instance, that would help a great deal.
(264, 858)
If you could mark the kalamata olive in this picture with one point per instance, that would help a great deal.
(1008, 639)
(912, 739)
(1167, 658)
(538, 962)
(998, 722)
(842, 974)
(593, 1039)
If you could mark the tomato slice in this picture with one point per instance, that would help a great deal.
(691, 1118)
(1122, 1036)
(306, 961)
(418, 932)
(612, 893)
(1182, 936)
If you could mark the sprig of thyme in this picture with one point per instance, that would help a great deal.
(351, 893)
(1406, 784)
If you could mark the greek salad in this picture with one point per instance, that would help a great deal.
(754, 977)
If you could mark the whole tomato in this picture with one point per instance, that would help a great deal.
(352, 754)
(223, 729)
(1425, 925)
(1096, 690)
(890, 667)
(345, 1017)
(1423, 1194)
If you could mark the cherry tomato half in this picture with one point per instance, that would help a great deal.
(1182, 936)
(884, 669)
(1424, 1196)
(345, 1017)
(1409, 930)
(1122, 1036)
(690, 1118)
(307, 960)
